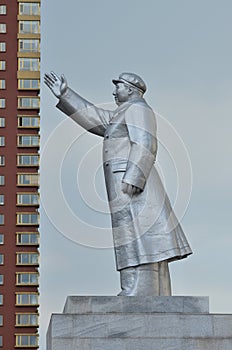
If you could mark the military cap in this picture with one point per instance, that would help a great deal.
(131, 79)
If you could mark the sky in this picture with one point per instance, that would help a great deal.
(182, 50)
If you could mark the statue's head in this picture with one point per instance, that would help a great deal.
(128, 86)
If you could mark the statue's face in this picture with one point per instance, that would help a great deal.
(121, 93)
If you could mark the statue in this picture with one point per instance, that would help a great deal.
(146, 233)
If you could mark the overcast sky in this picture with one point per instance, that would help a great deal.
(182, 49)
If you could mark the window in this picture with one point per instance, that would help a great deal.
(1, 299)
(27, 299)
(2, 46)
(2, 65)
(1, 238)
(1, 279)
(27, 258)
(2, 9)
(2, 180)
(1, 341)
(2, 160)
(2, 141)
(28, 140)
(28, 160)
(2, 28)
(29, 27)
(1, 219)
(2, 84)
(27, 238)
(27, 219)
(27, 279)
(27, 319)
(28, 122)
(29, 45)
(1, 320)
(27, 199)
(28, 84)
(2, 199)
(1, 259)
(28, 64)
(23, 340)
(28, 180)
(2, 122)
(31, 9)
(28, 102)
(2, 102)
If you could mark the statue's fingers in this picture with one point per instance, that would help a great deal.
(48, 82)
(49, 78)
(55, 76)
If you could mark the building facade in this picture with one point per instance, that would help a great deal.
(19, 173)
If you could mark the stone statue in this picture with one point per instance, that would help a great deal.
(146, 233)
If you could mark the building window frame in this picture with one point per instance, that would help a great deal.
(2, 103)
(25, 319)
(27, 198)
(2, 28)
(2, 219)
(27, 238)
(1, 279)
(29, 45)
(2, 46)
(28, 140)
(29, 64)
(27, 278)
(2, 122)
(27, 340)
(3, 10)
(29, 9)
(2, 65)
(29, 121)
(27, 258)
(28, 102)
(2, 180)
(32, 299)
(27, 219)
(29, 27)
(29, 179)
(28, 84)
(28, 159)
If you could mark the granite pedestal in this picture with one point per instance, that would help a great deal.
(136, 323)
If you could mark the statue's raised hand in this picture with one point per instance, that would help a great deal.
(58, 85)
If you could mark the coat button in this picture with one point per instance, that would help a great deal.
(106, 163)
(106, 150)
(106, 136)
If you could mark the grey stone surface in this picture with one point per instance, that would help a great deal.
(103, 326)
(107, 304)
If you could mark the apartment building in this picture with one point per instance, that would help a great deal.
(19, 173)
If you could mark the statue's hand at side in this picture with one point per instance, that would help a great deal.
(130, 189)
(58, 85)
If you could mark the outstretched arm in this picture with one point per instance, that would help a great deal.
(83, 112)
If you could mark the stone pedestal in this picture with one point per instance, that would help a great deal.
(136, 323)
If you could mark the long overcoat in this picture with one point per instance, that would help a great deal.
(145, 229)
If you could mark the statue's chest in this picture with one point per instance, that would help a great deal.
(117, 127)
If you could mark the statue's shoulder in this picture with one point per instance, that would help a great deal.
(140, 103)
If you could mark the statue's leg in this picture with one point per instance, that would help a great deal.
(128, 278)
(164, 279)
(146, 280)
